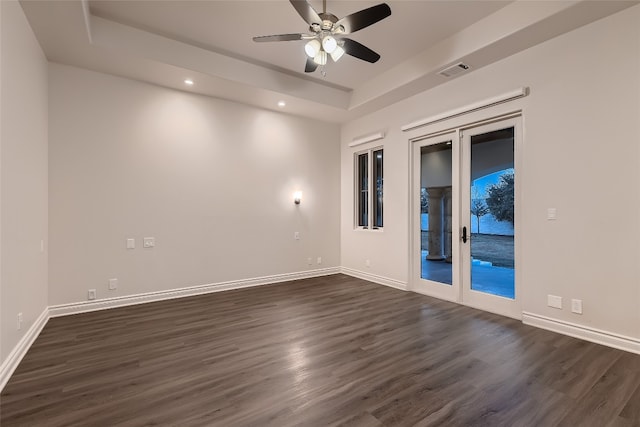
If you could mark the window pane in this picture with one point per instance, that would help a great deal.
(379, 183)
(363, 190)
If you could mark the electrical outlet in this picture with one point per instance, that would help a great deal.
(367, 263)
(296, 235)
(149, 242)
(554, 301)
(319, 260)
(113, 284)
(91, 295)
(19, 321)
(551, 214)
(576, 306)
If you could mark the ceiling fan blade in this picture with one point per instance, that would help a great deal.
(362, 19)
(360, 51)
(306, 11)
(311, 66)
(278, 38)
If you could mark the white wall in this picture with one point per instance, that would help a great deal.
(23, 180)
(581, 156)
(211, 180)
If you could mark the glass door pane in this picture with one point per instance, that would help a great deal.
(436, 212)
(492, 213)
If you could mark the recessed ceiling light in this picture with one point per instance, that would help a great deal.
(188, 82)
(281, 104)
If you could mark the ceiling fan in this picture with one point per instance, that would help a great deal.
(326, 37)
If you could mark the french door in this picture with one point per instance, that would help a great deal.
(464, 206)
(436, 219)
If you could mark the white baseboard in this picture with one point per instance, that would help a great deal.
(393, 283)
(13, 360)
(597, 336)
(107, 303)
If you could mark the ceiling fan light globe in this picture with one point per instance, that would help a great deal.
(329, 44)
(320, 58)
(337, 53)
(312, 48)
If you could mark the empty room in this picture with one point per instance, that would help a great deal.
(320, 213)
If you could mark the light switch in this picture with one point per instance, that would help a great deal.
(576, 306)
(113, 284)
(551, 213)
(554, 301)
(149, 242)
(131, 243)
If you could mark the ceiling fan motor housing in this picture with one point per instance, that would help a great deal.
(328, 21)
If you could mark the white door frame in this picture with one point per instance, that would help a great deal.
(457, 293)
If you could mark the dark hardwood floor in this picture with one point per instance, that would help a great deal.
(326, 351)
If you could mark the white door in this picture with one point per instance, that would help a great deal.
(488, 216)
(436, 216)
(464, 238)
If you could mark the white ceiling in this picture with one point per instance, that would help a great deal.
(164, 42)
(228, 27)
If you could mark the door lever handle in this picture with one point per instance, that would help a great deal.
(464, 234)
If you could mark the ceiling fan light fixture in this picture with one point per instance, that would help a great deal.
(320, 58)
(312, 48)
(337, 53)
(329, 44)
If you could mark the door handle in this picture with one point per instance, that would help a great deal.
(464, 234)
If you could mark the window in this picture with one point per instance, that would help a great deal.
(369, 175)
(379, 182)
(363, 190)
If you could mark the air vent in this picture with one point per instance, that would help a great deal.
(458, 68)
